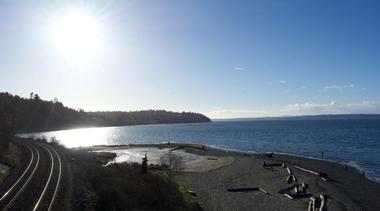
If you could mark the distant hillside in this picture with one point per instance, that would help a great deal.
(309, 117)
(35, 114)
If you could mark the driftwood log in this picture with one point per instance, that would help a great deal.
(323, 202)
(264, 191)
(247, 190)
(288, 195)
(272, 164)
(289, 170)
(291, 178)
(320, 174)
(317, 203)
(295, 191)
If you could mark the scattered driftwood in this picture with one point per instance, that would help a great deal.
(272, 164)
(212, 158)
(317, 203)
(247, 190)
(300, 188)
(322, 175)
(291, 178)
(312, 204)
(289, 170)
(306, 170)
(323, 202)
(242, 189)
(264, 191)
(288, 195)
(295, 191)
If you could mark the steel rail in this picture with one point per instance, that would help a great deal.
(48, 181)
(25, 184)
(21, 177)
(58, 180)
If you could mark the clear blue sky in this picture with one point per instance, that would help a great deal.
(221, 58)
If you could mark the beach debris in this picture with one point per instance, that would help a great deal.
(264, 191)
(300, 188)
(305, 170)
(242, 189)
(295, 191)
(290, 179)
(247, 190)
(288, 195)
(311, 204)
(322, 175)
(265, 165)
(271, 165)
(212, 158)
(317, 203)
(323, 202)
(289, 171)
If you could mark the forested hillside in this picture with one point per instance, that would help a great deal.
(35, 114)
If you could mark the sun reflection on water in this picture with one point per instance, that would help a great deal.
(80, 137)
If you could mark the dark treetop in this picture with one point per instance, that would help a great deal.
(34, 114)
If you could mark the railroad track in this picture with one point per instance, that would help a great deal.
(36, 185)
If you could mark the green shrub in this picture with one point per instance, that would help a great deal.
(123, 187)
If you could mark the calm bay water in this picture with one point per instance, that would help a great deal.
(356, 142)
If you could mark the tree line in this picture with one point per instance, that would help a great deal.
(34, 114)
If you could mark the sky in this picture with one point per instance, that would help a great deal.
(225, 59)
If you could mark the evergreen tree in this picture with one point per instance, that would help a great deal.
(144, 165)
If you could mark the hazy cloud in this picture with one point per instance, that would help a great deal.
(303, 87)
(238, 68)
(338, 87)
(334, 108)
(307, 108)
(283, 82)
(220, 113)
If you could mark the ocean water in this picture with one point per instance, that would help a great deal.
(355, 142)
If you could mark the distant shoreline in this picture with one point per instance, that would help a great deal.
(305, 117)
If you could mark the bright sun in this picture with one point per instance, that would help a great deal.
(77, 36)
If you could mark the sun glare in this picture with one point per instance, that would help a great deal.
(77, 36)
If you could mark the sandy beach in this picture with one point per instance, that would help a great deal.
(218, 171)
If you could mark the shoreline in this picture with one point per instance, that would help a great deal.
(348, 189)
(358, 168)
